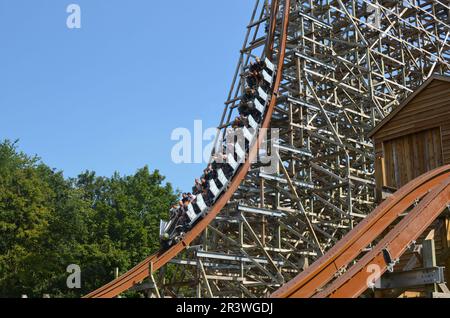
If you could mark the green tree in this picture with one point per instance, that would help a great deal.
(27, 203)
(48, 223)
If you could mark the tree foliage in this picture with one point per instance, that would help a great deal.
(48, 222)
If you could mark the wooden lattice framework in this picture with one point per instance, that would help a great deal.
(348, 64)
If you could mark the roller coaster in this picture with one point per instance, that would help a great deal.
(333, 70)
(433, 189)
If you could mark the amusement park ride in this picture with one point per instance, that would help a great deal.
(354, 208)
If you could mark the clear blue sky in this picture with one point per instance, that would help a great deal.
(107, 97)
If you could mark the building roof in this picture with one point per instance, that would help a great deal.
(406, 102)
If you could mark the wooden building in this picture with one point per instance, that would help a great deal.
(415, 137)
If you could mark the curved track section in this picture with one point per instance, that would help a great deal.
(158, 260)
(434, 190)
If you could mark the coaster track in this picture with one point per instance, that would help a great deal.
(353, 283)
(338, 74)
(158, 260)
(434, 192)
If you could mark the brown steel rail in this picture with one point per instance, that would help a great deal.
(345, 251)
(272, 27)
(353, 283)
(158, 260)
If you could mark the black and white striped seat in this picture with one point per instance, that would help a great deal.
(222, 178)
(233, 164)
(269, 65)
(263, 94)
(239, 152)
(201, 203)
(252, 122)
(191, 213)
(162, 227)
(214, 188)
(259, 107)
(249, 135)
(267, 77)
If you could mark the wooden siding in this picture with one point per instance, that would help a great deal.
(416, 139)
(410, 156)
(429, 109)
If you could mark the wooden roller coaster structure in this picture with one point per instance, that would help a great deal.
(341, 67)
(160, 259)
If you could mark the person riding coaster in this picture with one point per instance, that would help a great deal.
(254, 75)
(172, 232)
(180, 223)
